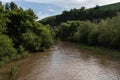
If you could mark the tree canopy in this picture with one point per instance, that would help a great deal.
(20, 32)
(95, 14)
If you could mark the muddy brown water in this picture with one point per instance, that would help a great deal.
(66, 61)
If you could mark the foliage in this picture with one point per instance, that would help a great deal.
(6, 47)
(93, 36)
(20, 33)
(49, 20)
(14, 72)
(108, 52)
(84, 30)
(106, 33)
(67, 30)
(0, 76)
(109, 32)
(95, 14)
(47, 39)
(31, 41)
(21, 51)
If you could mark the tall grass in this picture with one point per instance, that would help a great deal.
(0, 76)
(108, 52)
(14, 72)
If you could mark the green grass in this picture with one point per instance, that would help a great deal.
(108, 52)
(2, 63)
(115, 6)
(14, 72)
(0, 76)
(5, 60)
(11, 74)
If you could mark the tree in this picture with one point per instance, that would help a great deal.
(97, 7)
(82, 8)
(31, 41)
(6, 48)
(12, 6)
(7, 6)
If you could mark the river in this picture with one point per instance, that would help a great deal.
(66, 61)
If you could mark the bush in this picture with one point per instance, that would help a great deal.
(1, 63)
(83, 31)
(93, 36)
(38, 38)
(0, 76)
(106, 33)
(109, 32)
(14, 72)
(67, 30)
(6, 47)
(46, 37)
(31, 41)
(22, 53)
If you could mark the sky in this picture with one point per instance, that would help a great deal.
(45, 8)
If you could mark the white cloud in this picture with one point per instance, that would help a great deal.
(52, 10)
(42, 15)
(7, 0)
(67, 4)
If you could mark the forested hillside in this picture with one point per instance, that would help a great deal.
(93, 14)
(97, 26)
(20, 33)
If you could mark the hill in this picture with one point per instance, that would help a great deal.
(94, 14)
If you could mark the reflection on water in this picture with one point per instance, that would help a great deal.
(66, 61)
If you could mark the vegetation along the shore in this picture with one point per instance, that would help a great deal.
(20, 33)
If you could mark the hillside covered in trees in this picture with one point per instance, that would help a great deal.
(93, 14)
(97, 26)
(20, 33)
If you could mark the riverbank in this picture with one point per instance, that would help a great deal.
(108, 52)
(13, 67)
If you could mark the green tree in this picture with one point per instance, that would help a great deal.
(31, 41)
(6, 47)
(13, 6)
(46, 37)
(84, 30)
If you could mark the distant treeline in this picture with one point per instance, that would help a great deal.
(20, 32)
(95, 14)
(106, 33)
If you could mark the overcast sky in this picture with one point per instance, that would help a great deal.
(45, 8)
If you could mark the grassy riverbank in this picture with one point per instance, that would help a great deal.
(108, 52)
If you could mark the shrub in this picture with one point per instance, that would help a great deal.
(67, 30)
(83, 31)
(14, 72)
(31, 41)
(46, 37)
(0, 76)
(22, 53)
(6, 47)
(1, 63)
(93, 35)
(109, 32)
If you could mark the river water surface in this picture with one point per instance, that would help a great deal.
(66, 61)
